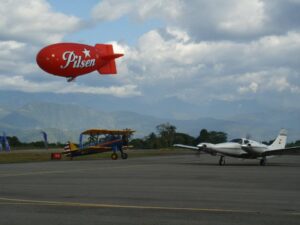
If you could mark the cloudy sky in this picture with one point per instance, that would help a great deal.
(194, 51)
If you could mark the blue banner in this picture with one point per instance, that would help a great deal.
(1, 144)
(45, 137)
(7, 146)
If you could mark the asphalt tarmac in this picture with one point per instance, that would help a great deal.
(180, 189)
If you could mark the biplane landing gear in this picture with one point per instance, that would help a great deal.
(114, 156)
(124, 155)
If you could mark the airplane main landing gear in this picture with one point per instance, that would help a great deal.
(222, 161)
(114, 156)
(124, 155)
(263, 161)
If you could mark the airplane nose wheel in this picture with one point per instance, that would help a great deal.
(222, 161)
(263, 161)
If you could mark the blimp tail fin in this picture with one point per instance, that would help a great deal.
(108, 57)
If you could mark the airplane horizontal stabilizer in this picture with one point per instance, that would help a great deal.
(285, 151)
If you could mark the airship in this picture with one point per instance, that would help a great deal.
(71, 60)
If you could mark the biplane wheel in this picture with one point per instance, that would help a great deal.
(124, 155)
(114, 156)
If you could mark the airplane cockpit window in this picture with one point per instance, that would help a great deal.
(246, 142)
(239, 141)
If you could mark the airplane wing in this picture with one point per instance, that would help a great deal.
(202, 149)
(285, 151)
(186, 146)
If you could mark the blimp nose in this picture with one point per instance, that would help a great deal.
(41, 59)
(46, 60)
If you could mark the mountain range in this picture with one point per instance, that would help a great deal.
(63, 122)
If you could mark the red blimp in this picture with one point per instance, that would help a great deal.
(71, 60)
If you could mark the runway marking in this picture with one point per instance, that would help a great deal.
(13, 201)
(99, 205)
(65, 171)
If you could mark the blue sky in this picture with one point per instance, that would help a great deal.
(125, 29)
(188, 54)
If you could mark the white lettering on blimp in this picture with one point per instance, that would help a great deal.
(71, 58)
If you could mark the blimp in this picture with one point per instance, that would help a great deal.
(71, 60)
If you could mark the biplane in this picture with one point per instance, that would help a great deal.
(100, 140)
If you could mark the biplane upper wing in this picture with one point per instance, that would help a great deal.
(105, 131)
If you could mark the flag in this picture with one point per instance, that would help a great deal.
(1, 143)
(6, 143)
(45, 139)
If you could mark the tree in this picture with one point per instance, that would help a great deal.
(137, 143)
(182, 138)
(218, 137)
(14, 141)
(152, 141)
(203, 137)
(167, 134)
(211, 137)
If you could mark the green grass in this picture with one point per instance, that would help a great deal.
(40, 155)
(19, 156)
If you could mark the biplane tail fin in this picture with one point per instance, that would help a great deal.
(73, 147)
(108, 56)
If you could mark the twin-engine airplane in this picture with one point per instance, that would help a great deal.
(246, 149)
(71, 60)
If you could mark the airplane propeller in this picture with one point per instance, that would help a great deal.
(201, 149)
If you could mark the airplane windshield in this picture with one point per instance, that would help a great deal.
(240, 141)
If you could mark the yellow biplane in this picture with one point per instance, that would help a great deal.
(100, 140)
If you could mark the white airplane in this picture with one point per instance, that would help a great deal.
(246, 149)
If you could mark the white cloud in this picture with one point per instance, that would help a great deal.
(252, 87)
(111, 10)
(19, 83)
(267, 81)
(165, 64)
(16, 58)
(244, 16)
(34, 21)
(210, 20)
(140, 9)
(118, 91)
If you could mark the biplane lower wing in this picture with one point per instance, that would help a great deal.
(87, 151)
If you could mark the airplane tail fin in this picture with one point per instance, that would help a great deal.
(108, 57)
(280, 141)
